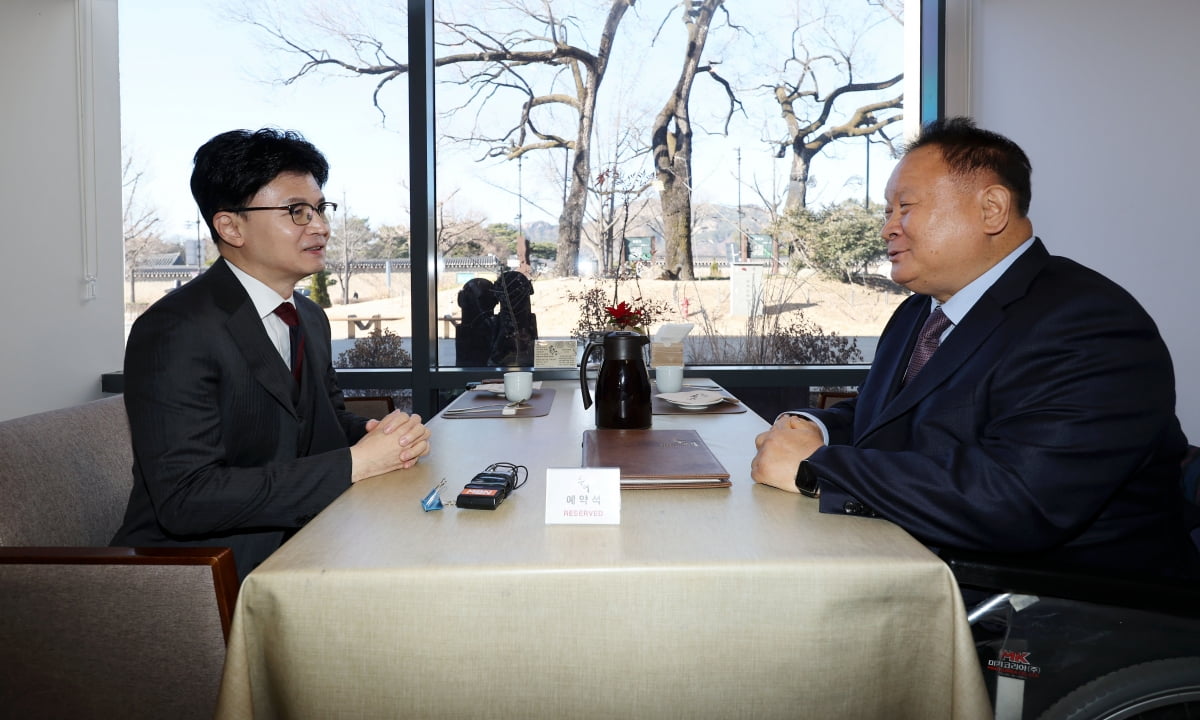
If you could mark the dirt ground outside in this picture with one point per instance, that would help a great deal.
(859, 311)
(848, 310)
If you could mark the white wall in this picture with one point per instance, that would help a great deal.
(1104, 96)
(60, 184)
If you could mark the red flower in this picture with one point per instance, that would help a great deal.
(624, 315)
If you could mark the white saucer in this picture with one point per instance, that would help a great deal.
(693, 399)
(498, 388)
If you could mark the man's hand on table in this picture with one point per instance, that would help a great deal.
(396, 442)
(781, 449)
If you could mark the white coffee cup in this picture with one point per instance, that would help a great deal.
(669, 378)
(518, 386)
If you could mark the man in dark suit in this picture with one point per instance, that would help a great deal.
(1044, 423)
(240, 434)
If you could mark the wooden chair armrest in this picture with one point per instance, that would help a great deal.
(219, 559)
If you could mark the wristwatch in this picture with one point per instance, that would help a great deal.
(806, 480)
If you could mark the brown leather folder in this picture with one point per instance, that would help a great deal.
(655, 458)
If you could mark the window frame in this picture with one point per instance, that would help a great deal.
(437, 382)
(434, 380)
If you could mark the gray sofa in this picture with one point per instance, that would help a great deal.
(88, 631)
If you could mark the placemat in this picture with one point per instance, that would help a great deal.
(538, 405)
(658, 406)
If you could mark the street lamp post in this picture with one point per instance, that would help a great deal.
(867, 179)
(199, 251)
(743, 239)
(199, 246)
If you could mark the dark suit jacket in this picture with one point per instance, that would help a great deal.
(1044, 424)
(227, 452)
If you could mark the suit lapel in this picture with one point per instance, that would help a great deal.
(311, 317)
(895, 346)
(246, 329)
(314, 391)
(891, 357)
(961, 346)
(309, 377)
(958, 350)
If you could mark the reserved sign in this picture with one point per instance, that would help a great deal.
(583, 496)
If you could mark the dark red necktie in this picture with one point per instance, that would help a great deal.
(287, 313)
(927, 342)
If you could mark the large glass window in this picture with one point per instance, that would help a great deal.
(583, 158)
(191, 69)
(721, 168)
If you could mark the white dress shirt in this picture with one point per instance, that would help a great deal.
(265, 301)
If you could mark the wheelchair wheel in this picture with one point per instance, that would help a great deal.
(1157, 690)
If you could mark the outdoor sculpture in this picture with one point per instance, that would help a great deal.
(476, 331)
(516, 325)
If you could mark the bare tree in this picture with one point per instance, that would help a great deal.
(494, 64)
(140, 234)
(671, 137)
(814, 119)
(621, 188)
(458, 235)
(516, 83)
(772, 200)
(895, 8)
(393, 242)
(621, 203)
(501, 55)
(348, 244)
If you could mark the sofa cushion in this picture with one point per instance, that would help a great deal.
(133, 641)
(65, 475)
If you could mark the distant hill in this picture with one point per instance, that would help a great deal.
(542, 232)
(716, 227)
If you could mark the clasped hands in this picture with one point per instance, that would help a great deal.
(781, 450)
(396, 442)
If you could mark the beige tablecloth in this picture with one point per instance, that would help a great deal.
(730, 603)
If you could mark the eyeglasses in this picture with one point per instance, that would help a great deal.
(301, 212)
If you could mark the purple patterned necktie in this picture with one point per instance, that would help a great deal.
(287, 313)
(927, 343)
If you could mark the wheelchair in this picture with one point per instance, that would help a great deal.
(1068, 645)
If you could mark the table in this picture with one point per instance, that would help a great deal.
(373, 323)
(740, 602)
